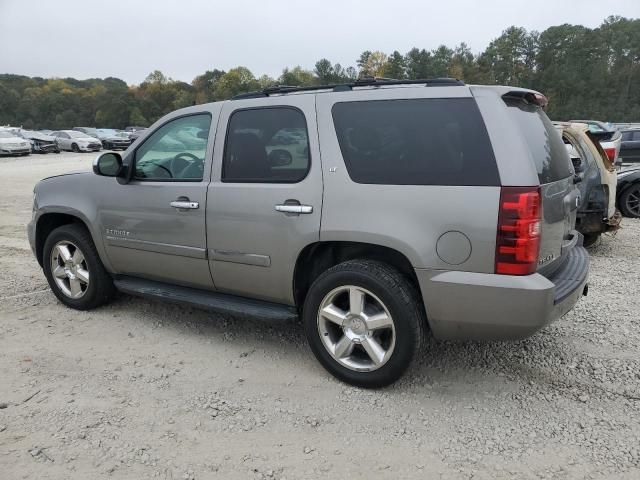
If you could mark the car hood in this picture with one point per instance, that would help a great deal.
(628, 171)
(41, 136)
(77, 172)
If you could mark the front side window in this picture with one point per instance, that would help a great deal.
(415, 142)
(175, 151)
(266, 145)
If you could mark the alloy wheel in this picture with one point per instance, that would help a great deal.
(69, 269)
(356, 328)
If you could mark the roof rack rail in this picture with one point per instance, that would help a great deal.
(341, 87)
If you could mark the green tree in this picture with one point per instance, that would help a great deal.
(395, 66)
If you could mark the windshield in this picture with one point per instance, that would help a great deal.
(107, 131)
(91, 131)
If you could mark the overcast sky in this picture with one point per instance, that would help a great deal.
(183, 38)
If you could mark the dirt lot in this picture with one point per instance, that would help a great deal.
(141, 390)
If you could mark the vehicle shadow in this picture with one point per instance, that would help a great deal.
(529, 360)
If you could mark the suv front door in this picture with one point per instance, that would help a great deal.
(154, 225)
(265, 197)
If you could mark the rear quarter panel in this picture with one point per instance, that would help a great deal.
(407, 218)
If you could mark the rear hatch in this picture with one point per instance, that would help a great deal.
(559, 195)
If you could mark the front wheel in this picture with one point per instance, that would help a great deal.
(630, 201)
(364, 322)
(75, 148)
(74, 270)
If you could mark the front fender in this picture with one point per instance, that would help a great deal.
(71, 195)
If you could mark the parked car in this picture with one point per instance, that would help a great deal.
(40, 143)
(133, 135)
(628, 198)
(597, 182)
(434, 206)
(76, 141)
(12, 144)
(112, 139)
(608, 136)
(90, 131)
(630, 149)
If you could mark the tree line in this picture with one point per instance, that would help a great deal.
(585, 73)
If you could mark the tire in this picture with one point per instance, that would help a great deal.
(386, 292)
(590, 239)
(98, 290)
(74, 148)
(629, 202)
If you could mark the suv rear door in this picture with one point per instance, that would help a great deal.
(265, 198)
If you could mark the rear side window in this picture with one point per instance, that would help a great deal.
(415, 142)
(544, 142)
(266, 145)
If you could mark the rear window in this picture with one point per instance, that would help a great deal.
(545, 143)
(415, 142)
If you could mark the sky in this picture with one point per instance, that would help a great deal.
(129, 39)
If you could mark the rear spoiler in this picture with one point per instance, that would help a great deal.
(530, 97)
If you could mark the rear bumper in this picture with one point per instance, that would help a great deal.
(480, 306)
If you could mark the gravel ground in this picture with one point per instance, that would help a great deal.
(145, 390)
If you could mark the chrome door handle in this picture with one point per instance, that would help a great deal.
(184, 204)
(294, 208)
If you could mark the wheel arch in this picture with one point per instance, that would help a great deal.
(49, 221)
(317, 257)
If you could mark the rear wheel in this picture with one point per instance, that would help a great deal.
(364, 322)
(75, 148)
(630, 201)
(74, 270)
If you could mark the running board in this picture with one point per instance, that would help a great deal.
(213, 301)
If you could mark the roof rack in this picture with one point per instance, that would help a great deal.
(341, 87)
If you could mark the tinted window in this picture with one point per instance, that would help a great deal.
(544, 142)
(175, 151)
(268, 145)
(626, 136)
(636, 136)
(415, 142)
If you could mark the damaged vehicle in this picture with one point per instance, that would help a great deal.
(40, 143)
(596, 179)
(609, 137)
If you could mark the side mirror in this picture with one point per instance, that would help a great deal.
(108, 164)
(280, 158)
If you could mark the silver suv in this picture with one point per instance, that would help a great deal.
(374, 211)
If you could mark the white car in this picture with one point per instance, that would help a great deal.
(11, 144)
(76, 141)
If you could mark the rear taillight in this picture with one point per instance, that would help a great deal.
(518, 240)
(611, 153)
